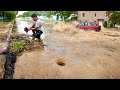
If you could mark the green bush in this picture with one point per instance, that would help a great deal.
(8, 15)
(111, 25)
(105, 24)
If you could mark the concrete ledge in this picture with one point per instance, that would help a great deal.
(6, 44)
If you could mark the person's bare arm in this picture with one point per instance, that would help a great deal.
(34, 28)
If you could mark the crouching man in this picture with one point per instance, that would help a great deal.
(37, 27)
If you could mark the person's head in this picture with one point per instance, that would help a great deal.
(34, 17)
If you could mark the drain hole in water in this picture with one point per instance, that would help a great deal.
(61, 63)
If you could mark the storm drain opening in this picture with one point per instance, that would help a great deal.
(61, 63)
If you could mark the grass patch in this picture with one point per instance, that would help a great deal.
(17, 45)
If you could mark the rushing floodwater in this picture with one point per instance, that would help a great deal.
(83, 54)
(21, 25)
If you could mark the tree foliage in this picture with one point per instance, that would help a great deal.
(29, 13)
(63, 14)
(114, 17)
(48, 13)
(8, 15)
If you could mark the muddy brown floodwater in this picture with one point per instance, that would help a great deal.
(85, 55)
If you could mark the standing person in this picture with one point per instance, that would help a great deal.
(37, 27)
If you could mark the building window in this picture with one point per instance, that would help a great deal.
(95, 14)
(83, 14)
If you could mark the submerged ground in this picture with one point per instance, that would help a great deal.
(80, 55)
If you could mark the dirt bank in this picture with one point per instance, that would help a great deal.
(4, 30)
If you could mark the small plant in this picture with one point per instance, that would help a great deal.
(40, 42)
(17, 45)
(105, 24)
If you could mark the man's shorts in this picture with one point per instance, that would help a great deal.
(37, 33)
